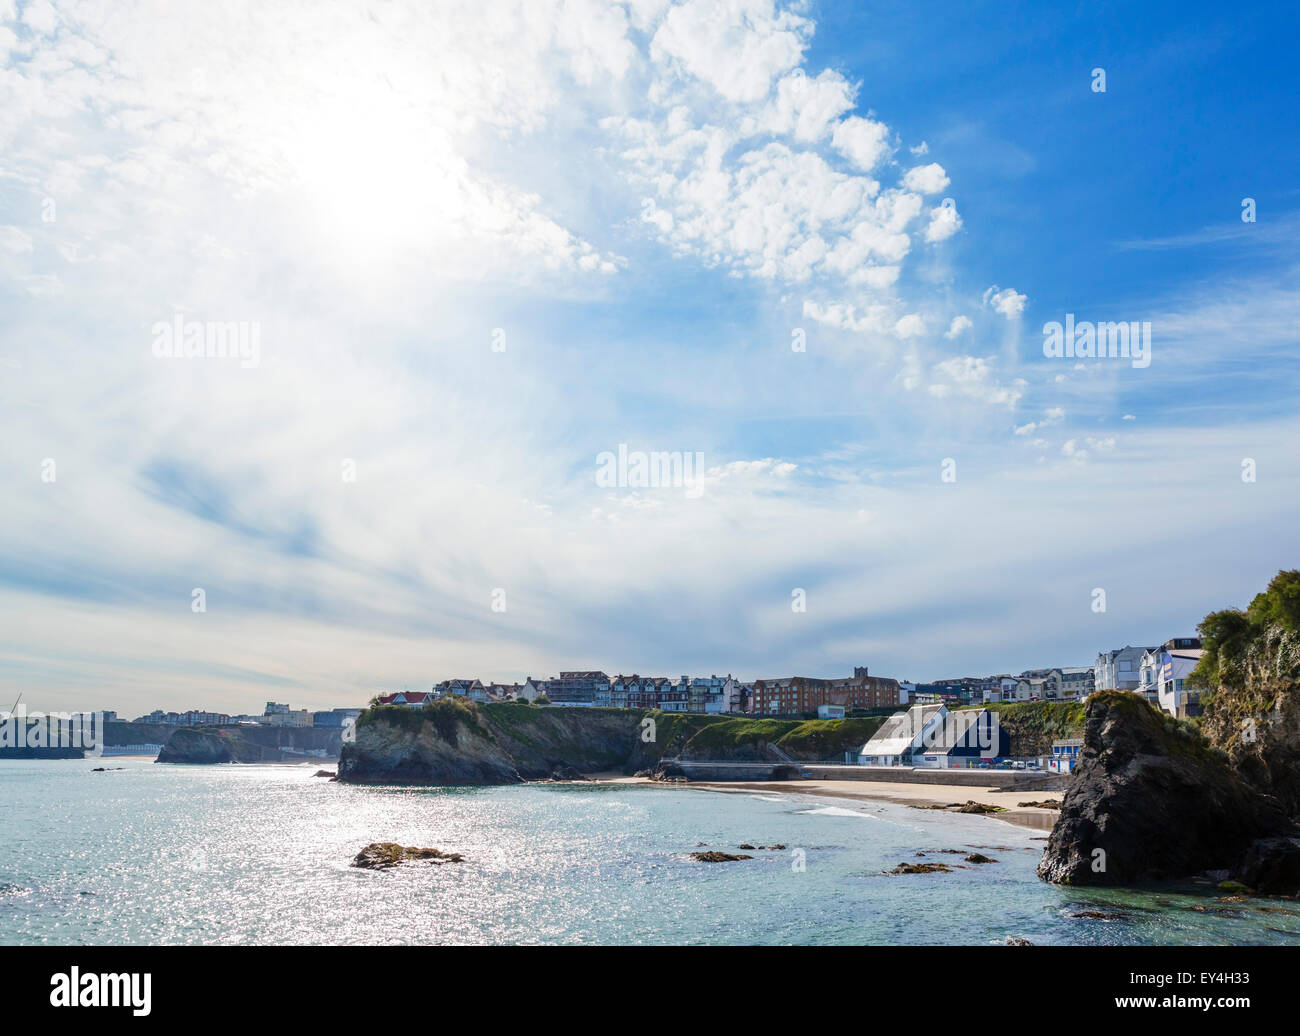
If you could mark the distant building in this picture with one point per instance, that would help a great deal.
(932, 736)
(411, 699)
(578, 687)
(1118, 670)
(1065, 754)
(1176, 660)
(334, 718)
(801, 695)
(830, 711)
(471, 689)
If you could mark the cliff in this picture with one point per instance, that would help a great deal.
(457, 742)
(1152, 799)
(1254, 714)
(247, 744)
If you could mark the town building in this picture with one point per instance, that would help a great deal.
(934, 736)
(1118, 670)
(578, 687)
(801, 695)
(1065, 754)
(1172, 663)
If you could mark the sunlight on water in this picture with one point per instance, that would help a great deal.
(261, 854)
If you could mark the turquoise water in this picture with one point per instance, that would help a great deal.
(259, 854)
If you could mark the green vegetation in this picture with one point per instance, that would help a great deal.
(829, 738)
(1228, 636)
(1034, 725)
(722, 740)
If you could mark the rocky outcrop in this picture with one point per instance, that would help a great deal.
(455, 742)
(380, 856)
(246, 744)
(1151, 799)
(186, 745)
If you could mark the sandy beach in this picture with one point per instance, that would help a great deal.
(903, 794)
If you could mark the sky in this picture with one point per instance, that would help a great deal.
(475, 249)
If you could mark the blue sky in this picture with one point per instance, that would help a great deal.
(645, 204)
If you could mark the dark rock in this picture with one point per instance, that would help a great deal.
(1015, 940)
(1045, 804)
(979, 807)
(383, 855)
(717, 857)
(1097, 915)
(323, 773)
(921, 868)
(1272, 866)
(1154, 799)
(744, 845)
(979, 858)
(565, 772)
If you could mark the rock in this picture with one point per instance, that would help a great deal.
(1097, 915)
(744, 845)
(1234, 886)
(1150, 800)
(921, 868)
(979, 807)
(1272, 867)
(717, 857)
(979, 858)
(1015, 940)
(456, 742)
(383, 855)
(323, 773)
(1045, 804)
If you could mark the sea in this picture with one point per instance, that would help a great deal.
(150, 853)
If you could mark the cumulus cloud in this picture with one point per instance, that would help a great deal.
(959, 325)
(1006, 301)
(926, 179)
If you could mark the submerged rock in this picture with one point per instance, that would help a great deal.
(921, 868)
(383, 855)
(1150, 800)
(717, 857)
(979, 858)
(1016, 940)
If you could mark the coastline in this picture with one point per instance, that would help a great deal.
(898, 793)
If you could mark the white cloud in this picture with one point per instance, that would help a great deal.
(959, 324)
(737, 47)
(863, 142)
(926, 179)
(974, 377)
(1007, 301)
